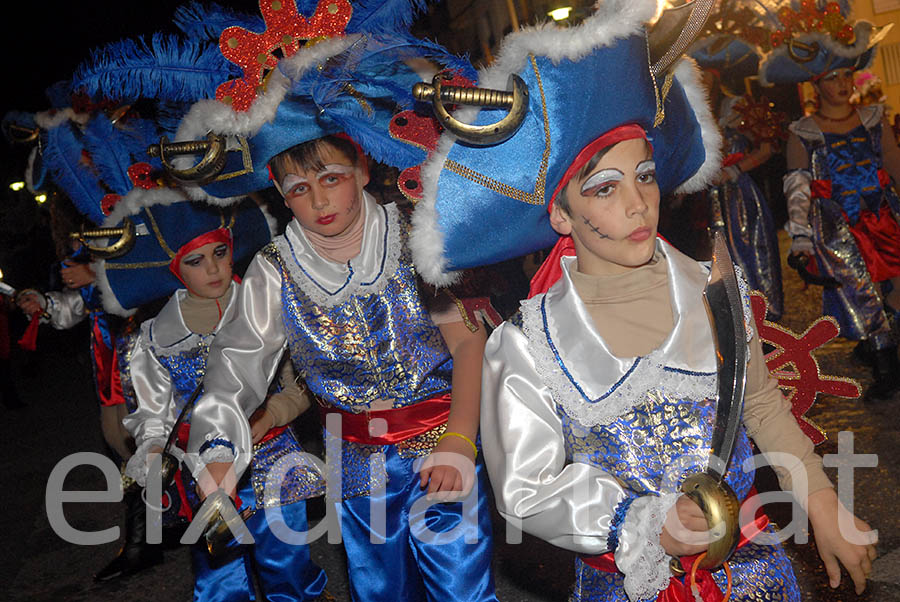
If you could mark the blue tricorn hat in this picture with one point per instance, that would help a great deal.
(165, 221)
(807, 56)
(734, 59)
(583, 81)
(348, 83)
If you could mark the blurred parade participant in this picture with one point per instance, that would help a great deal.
(842, 206)
(737, 205)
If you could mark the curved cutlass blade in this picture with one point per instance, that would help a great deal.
(723, 302)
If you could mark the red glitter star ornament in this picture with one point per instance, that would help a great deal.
(792, 362)
(422, 131)
(286, 32)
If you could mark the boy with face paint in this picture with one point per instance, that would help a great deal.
(599, 396)
(338, 290)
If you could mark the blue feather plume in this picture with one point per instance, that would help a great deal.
(113, 151)
(168, 68)
(62, 157)
(207, 21)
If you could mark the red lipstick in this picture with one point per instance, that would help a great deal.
(640, 234)
(326, 219)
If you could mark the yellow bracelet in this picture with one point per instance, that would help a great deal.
(461, 436)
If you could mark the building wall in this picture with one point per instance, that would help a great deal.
(865, 10)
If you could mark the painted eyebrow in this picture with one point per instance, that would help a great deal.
(645, 166)
(610, 174)
(335, 168)
(290, 180)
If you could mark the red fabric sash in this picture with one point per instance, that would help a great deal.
(402, 423)
(28, 342)
(878, 239)
(679, 590)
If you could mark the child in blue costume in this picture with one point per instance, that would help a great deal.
(842, 207)
(339, 292)
(170, 361)
(599, 396)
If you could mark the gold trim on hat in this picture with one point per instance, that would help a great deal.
(532, 198)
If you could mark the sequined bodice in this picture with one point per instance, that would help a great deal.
(851, 163)
(375, 347)
(654, 446)
(186, 370)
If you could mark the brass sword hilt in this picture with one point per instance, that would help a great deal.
(515, 101)
(211, 165)
(126, 233)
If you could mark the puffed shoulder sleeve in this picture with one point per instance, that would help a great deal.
(243, 360)
(569, 504)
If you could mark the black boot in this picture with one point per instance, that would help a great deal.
(886, 370)
(136, 554)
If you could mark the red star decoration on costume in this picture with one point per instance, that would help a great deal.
(794, 365)
(286, 32)
(421, 131)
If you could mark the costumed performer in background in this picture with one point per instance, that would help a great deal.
(842, 206)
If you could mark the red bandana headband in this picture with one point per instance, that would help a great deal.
(220, 235)
(550, 271)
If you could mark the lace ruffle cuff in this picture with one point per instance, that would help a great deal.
(139, 464)
(639, 554)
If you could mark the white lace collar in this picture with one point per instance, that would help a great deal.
(593, 385)
(330, 283)
(167, 334)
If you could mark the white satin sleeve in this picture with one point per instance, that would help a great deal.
(155, 413)
(243, 360)
(65, 308)
(569, 504)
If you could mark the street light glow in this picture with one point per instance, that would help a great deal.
(40, 198)
(558, 14)
(17, 186)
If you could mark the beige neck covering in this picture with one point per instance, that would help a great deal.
(632, 311)
(342, 247)
(201, 315)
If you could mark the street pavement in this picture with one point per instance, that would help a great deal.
(61, 417)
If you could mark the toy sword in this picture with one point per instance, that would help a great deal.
(709, 489)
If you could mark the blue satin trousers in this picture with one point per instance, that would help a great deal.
(408, 552)
(285, 572)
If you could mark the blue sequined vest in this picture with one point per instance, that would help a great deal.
(378, 346)
(653, 447)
